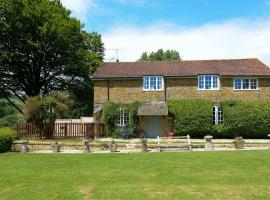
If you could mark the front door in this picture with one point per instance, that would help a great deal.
(153, 126)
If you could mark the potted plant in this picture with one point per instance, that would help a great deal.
(113, 146)
(169, 134)
(56, 147)
(239, 143)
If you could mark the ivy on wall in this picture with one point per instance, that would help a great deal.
(111, 113)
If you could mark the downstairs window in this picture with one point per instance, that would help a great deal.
(123, 119)
(217, 115)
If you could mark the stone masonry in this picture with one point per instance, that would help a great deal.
(130, 90)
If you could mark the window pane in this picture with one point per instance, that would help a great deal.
(153, 83)
(207, 82)
(146, 83)
(220, 115)
(159, 83)
(201, 82)
(214, 115)
(237, 84)
(253, 84)
(126, 117)
(217, 115)
(215, 82)
(245, 84)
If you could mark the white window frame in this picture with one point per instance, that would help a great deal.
(124, 118)
(212, 82)
(217, 115)
(243, 78)
(148, 79)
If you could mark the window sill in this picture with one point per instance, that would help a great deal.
(153, 90)
(241, 90)
(209, 90)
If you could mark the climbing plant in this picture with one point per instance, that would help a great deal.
(111, 113)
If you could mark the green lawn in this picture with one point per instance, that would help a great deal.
(189, 175)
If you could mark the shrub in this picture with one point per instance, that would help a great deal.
(11, 120)
(191, 116)
(246, 118)
(220, 132)
(6, 139)
(111, 113)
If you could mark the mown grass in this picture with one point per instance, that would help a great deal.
(188, 175)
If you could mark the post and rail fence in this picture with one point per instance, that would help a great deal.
(61, 131)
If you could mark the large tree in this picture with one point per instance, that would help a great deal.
(44, 49)
(160, 55)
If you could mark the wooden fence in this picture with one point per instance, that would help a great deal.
(61, 131)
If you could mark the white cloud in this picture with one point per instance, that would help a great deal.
(231, 39)
(79, 8)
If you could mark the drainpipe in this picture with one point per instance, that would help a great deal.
(108, 90)
(165, 90)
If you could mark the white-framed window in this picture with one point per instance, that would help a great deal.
(123, 119)
(208, 82)
(152, 83)
(245, 84)
(217, 115)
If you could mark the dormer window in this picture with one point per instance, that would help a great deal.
(208, 82)
(153, 83)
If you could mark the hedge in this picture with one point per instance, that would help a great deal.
(246, 118)
(191, 116)
(6, 139)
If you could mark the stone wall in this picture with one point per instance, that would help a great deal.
(127, 91)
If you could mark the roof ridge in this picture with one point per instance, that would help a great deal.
(170, 61)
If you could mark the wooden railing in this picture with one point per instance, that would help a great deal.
(61, 131)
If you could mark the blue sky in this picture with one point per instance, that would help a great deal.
(198, 29)
(182, 12)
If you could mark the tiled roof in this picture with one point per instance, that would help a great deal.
(153, 108)
(232, 67)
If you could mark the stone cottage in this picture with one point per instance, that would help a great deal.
(153, 83)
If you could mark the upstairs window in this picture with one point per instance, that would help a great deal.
(208, 82)
(245, 84)
(217, 115)
(123, 119)
(152, 83)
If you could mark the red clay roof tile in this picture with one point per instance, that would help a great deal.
(233, 67)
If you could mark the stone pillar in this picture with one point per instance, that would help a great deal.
(56, 147)
(144, 145)
(113, 146)
(86, 146)
(24, 148)
(208, 142)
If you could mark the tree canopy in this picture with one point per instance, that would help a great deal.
(44, 49)
(160, 55)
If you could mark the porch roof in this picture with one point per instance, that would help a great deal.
(153, 108)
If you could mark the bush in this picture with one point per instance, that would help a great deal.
(191, 116)
(111, 113)
(6, 139)
(11, 120)
(247, 119)
(220, 132)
